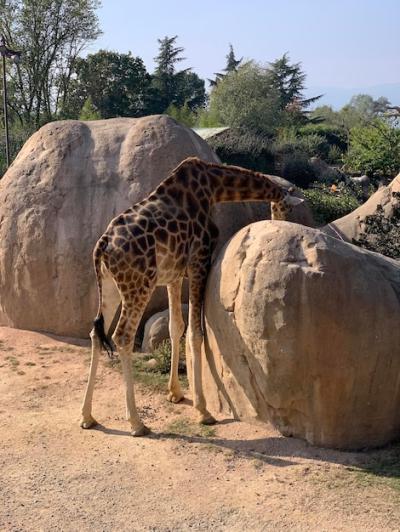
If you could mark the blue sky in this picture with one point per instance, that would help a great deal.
(341, 43)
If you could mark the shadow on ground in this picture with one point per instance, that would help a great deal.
(283, 452)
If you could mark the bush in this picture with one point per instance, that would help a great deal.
(296, 168)
(244, 148)
(374, 150)
(333, 136)
(382, 234)
(321, 141)
(162, 354)
(327, 206)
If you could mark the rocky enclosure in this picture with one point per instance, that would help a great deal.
(69, 180)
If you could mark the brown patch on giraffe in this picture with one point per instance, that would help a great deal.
(161, 235)
(176, 194)
(191, 203)
(172, 226)
(142, 242)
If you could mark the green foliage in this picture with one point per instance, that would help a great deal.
(243, 148)
(362, 110)
(117, 85)
(208, 118)
(296, 168)
(89, 111)
(374, 150)
(182, 115)
(163, 353)
(51, 35)
(232, 65)
(381, 233)
(172, 87)
(327, 206)
(332, 135)
(246, 99)
(289, 82)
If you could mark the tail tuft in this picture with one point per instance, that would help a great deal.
(101, 335)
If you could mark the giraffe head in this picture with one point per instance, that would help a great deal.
(282, 208)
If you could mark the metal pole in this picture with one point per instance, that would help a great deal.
(5, 111)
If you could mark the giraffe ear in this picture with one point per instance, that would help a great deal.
(293, 200)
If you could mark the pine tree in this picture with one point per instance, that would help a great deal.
(165, 77)
(232, 64)
(289, 81)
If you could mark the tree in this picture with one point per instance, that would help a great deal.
(362, 110)
(165, 77)
(184, 115)
(246, 98)
(51, 34)
(289, 82)
(117, 84)
(190, 91)
(89, 111)
(232, 64)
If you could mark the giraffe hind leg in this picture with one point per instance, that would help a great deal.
(124, 335)
(176, 328)
(197, 283)
(109, 304)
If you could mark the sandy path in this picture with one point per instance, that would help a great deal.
(56, 476)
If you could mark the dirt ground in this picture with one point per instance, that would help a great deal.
(234, 477)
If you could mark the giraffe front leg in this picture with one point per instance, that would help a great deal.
(197, 281)
(176, 328)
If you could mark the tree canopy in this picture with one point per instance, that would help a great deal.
(117, 85)
(51, 35)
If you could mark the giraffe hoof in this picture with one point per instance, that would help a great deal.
(141, 431)
(207, 419)
(175, 397)
(88, 423)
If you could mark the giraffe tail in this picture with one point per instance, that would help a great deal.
(98, 323)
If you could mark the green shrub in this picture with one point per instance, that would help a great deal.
(327, 206)
(333, 136)
(382, 234)
(321, 141)
(162, 354)
(244, 148)
(334, 156)
(374, 150)
(296, 168)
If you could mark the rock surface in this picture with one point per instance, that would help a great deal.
(351, 225)
(302, 329)
(156, 329)
(58, 197)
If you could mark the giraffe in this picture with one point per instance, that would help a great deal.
(168, 235)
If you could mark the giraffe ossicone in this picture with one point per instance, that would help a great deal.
(159, 241)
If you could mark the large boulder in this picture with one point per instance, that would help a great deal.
(302, 330)
(58, 197)
(352, 225)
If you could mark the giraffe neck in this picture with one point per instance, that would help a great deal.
(232, 183)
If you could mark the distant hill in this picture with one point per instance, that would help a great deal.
(338, 97)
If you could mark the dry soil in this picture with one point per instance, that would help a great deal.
(234, 477)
